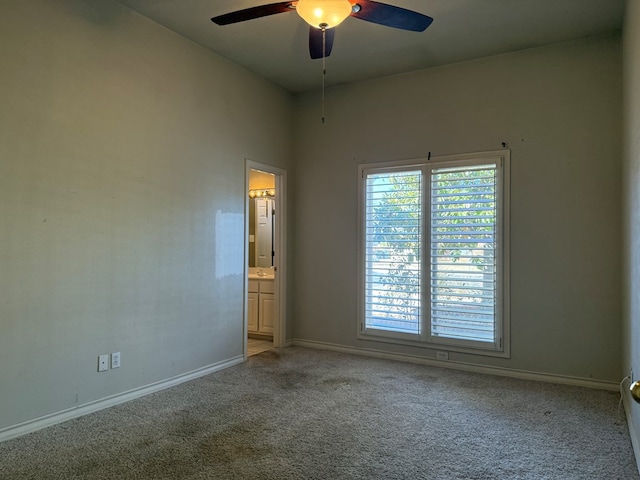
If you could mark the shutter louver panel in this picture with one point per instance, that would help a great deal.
(463, 253)
(393, 251)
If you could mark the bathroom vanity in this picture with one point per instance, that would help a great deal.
(261, 306)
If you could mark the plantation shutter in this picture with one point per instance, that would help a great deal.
(434, 253)
(463, 268)
(393, 251)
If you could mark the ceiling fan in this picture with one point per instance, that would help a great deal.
(323, 15)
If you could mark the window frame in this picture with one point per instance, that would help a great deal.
(501, 348)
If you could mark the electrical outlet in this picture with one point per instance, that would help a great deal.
(103, 363)
(115, 360)
(442, 355)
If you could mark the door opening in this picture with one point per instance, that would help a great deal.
(264, 246)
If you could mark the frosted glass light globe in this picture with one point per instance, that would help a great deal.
(323, 13)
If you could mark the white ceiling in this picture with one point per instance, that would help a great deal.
(276, 47)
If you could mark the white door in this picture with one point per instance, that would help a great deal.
(264, 232)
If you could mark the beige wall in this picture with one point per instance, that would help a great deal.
(559, 109)
(631, 199)
(122, 195)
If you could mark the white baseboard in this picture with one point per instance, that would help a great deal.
(29, 426)
(33, 425)
(470, 367)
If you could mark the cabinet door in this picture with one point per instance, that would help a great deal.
(266, 311)
(252, 325)
(254, 286)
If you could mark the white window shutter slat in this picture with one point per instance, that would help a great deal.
(393, 251)
(463, 253)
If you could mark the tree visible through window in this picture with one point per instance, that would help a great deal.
(394, 251)
(463, 252)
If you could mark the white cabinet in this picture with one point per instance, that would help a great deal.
(253, 312)
(265, 313)
(261, 307)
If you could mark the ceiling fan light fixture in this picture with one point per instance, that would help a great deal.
(324, 13)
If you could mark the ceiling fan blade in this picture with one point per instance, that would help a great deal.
(391, 16)
(315, 42)
(254, 12)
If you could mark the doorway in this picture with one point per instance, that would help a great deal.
(265, 258)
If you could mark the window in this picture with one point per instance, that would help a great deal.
(434, 245)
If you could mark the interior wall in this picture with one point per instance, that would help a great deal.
(122, 196)
(559, 110)
(631, 199)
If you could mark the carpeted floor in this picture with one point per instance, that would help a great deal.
(307, 414)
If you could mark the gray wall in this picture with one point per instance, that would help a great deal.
(631, 189)
(559, 109)
(122, 194)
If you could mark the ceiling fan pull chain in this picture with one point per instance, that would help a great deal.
(324, 68)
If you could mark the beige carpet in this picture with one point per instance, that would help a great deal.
(307, 414)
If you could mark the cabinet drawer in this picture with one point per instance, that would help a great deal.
(266, 286)
(253, 286)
